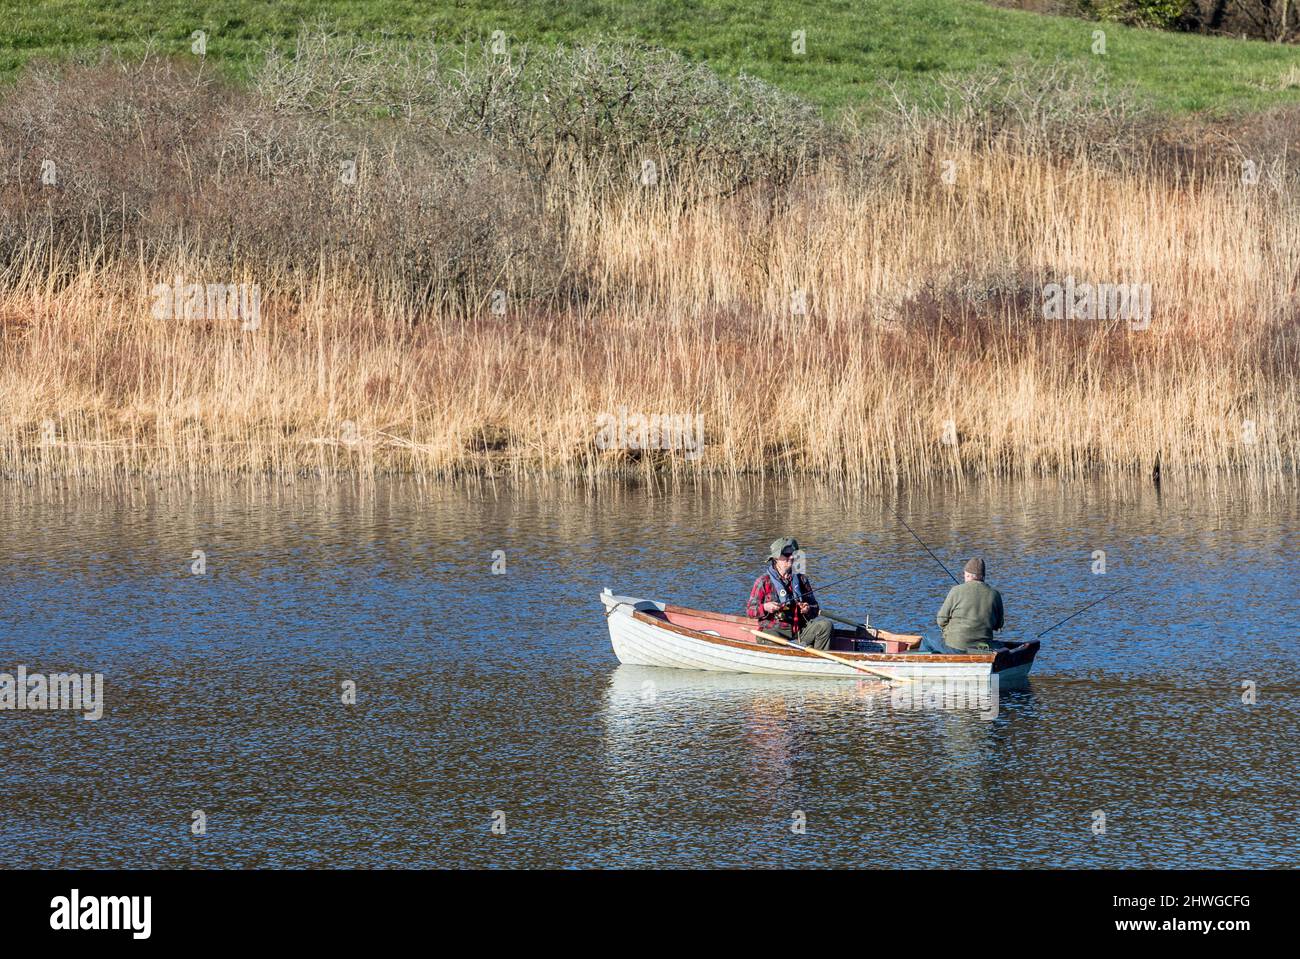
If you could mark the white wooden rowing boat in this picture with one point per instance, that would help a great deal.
(648, 633)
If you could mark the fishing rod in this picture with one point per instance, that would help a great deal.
(954, 579)
(790, 604)
(1085, 609)
(836, 583)
(819, 589)
(923, 546)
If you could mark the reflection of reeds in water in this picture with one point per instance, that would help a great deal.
(923, 316)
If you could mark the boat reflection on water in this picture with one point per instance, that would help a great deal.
(758, 735)
(727, 745)
(634, 691)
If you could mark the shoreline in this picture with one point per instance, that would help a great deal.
(1195, 480)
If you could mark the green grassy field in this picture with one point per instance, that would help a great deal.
(851, 46)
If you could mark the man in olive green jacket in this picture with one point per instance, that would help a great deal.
(969, 616)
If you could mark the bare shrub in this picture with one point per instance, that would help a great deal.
(90, 153)
(1055, 108)
(154, 157)
(604, 106)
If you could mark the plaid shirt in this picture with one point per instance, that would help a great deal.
(763, 592)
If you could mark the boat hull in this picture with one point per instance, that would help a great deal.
(642, 634)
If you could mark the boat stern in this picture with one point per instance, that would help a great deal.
(1012, 663)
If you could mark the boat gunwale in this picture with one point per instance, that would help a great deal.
(881, 634)
(644, 617)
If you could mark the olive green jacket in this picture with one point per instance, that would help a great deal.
(970, 614)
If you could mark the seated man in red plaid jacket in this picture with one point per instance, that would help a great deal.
(783, 602)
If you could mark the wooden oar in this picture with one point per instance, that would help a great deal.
(831, 656)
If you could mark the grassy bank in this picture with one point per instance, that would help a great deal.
(495, 283)
(851, 46)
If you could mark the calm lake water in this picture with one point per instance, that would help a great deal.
(487, 698)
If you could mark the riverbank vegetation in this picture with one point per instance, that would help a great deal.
(463, 260)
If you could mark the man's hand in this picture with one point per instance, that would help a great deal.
(770, 607)
(803, 608)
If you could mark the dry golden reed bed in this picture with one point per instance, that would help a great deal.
(924, 319)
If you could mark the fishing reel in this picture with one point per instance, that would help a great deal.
(786, 612)
(786, 607)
